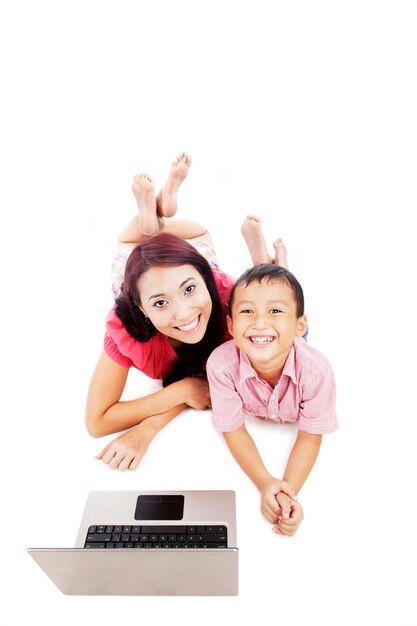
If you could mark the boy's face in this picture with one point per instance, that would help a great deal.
(264, 323)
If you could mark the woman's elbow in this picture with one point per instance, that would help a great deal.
(94, 424)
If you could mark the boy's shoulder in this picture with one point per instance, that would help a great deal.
(309, 359)
(224, 355)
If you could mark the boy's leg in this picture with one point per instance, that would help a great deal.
(254, 237)
(280, 254)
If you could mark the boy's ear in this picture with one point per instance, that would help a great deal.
(301, 325)
(229, 324)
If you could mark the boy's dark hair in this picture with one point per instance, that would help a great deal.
(274, 273)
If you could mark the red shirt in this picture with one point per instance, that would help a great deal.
(155, 357)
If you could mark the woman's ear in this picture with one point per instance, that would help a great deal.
(301, 325)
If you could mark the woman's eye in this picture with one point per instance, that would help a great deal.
(159, 303)
(246, 311)
(190, 289)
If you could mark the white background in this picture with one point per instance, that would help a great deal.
(302, 112)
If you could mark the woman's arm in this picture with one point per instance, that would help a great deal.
(106, 414)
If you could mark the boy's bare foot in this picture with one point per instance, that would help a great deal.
(144, 191)
(280, 254)
(166, 200)
(253, 235)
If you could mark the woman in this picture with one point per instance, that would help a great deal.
(169, 316)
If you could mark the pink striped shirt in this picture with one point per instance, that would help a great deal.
(305, 392)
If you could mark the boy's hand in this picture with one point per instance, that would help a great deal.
(269, 504)
(288, 523)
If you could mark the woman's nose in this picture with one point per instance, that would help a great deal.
(182, 312)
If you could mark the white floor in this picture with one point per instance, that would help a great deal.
(301, 112)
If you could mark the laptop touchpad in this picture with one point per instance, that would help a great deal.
(159, 507)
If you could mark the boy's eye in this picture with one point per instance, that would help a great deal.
(246, 311)
(190, 289)
(160, 303)
(273, 311)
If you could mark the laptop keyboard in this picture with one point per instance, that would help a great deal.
(151, 537)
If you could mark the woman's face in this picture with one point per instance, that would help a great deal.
(177, 301)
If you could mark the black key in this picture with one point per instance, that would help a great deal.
(129, 545)
(191, 530)
(144, 537)
(98, 538)
(92, 530)
(147, 545)
(126, 537)
(181, 538)
(190, 538)
(127, 529)
(134, 538)
(201, 538)
(101, 529)
(210, 538)
(139, 545)
(110, 544)
(120, 544)
(157, 545)
(172, 537)
(163, 538)
(109, 529)
(201, 529)
(218, 545)
(95, 545)
(191, 545)
(116, 538)
(153, 537)
(136, 530)
(166, 545)
(118, 530)
(163, 529)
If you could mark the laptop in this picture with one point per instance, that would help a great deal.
(149, 543)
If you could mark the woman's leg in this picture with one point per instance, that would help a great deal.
(156, 213)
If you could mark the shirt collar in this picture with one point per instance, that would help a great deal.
(246, 369)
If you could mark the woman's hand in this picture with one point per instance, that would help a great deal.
(196, 393)
(126, 451)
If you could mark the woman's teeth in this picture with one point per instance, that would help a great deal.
(190, 326)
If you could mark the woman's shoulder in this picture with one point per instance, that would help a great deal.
(224, 283)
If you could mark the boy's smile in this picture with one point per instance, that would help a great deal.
(264, 324)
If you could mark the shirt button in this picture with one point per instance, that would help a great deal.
(273, 416)
(272, 397)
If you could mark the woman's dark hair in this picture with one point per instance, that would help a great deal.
(273, 273)
(166, 250)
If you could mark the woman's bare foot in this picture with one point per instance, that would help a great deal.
(166, 200)
(144, 191)
(280, 254)
(253, 235)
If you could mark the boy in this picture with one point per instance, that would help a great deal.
(269, 371)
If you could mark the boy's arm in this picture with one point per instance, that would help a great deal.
(302, 458)
(243, 448)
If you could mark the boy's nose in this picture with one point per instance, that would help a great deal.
(260, 322)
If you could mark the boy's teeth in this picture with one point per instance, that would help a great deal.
(189, 326)
(261, 339)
